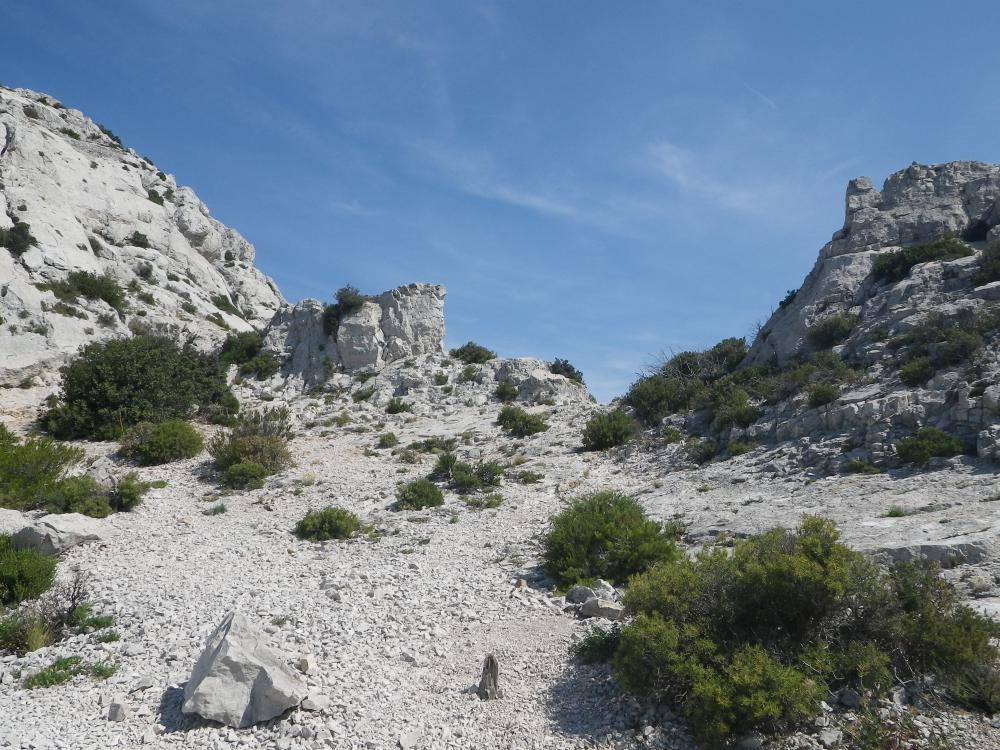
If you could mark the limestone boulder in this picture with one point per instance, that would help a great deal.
(57, 532)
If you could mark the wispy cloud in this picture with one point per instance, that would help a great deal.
(352, 208)
(765, 99)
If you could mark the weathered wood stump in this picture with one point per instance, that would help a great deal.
(489, 684)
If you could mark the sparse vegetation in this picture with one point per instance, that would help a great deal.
(254, 448)
(418, 494)
(349, 300)
(605, 535)
(989, 265)
(896, 266)
(927, 443)
(89, 286)
(388, 440)
(832, 330)
(822, 394)
(18, 239)
(565, 368)
(398, 406)
(225, 304)
(65, 669)
(520, 423)
(472, 353)
(138, 239)
(115, 384)
(24, 573)
(607, 430)
(506, 391)
(328, 523)
(171, 440)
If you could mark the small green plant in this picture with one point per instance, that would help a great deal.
(739, 447)
(225, 304)
(328, 523)
(484, 502)
(349, 301)
(671, 435)
(18, 239)
(254, 448)
(605, 535)
(832, 330)
(435, 444)
(153, 444)
(529, 477)
(89, 286)
(388, 440)
(822, 394)
(989, 265)
(607, 430)
(24, 573)
(917, 371)
(861, 466)
(440, 378)
(896, 511)
(468, 374)
(519, 423)
(598, 645)
(927, 443)
(65, 669)
(472, 353)
(363, 394)
(418, 494)
(565, 368)
(69, 132)
(701, 451)
(138, 239)
(127, 492)
(896, 266)
(506, 391)
(155, 197)
(245, 475)
(398, 406)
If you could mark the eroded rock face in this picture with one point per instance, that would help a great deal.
(238, 680)
(95, 206)
(398, 324)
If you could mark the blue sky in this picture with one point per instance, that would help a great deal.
(591, 180)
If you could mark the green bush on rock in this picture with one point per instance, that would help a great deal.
(605, 535)
(520, 423)
(472, 353)
(607, 429)
(24, 573)
(927, 443)
(162, 443)
(328, 523)
(418, 494)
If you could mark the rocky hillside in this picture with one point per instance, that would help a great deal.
(73, 198)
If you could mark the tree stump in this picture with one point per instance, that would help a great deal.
(489, 684)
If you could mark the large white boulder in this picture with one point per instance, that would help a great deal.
(238, 680)
(58, 532)
(12, 521)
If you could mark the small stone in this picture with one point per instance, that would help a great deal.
(830, 737)
(579, 594)
(597, 607)
(145, 682)
(849, 698)
(305, 664)
(118, 710)
(409, 740)
(316, 702)
(489, 683)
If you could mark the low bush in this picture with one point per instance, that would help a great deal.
(349, 300)
(896, 266)
(418, 494)
(138, 239)
(388, 440)
(519, 423)
(261, 367)
(755, 639)
(989, 265)
(161, 443)
(822, 394)
(484, 502)
(927, 443)
(607, 429)
(731, 407)
(565, 368)
(115, 384)
(79, 494)
(435, 444)
(739, 447)
(701, 451)
(329, 523)
(89, 286)
(24, 573)
(832, 330)
(442, 470)
(245, 475)
(65, 669)
(472, 353)
(224, 303)
(506, 391)
(240, 348)
(917, 371)
(31, 469)
(126, 492)
(18, 239)
(605, 535)
(255, 447)
(398, 406)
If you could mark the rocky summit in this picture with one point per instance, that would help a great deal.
(341, 535)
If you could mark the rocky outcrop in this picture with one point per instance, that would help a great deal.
(238, 680)
(93, 205)
(55, 533)
(398, 324)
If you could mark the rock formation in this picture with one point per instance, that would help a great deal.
(93, 205)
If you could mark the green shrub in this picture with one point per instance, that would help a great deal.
(329, 523)
(755, 639)
(832, 330)
(261, 367)
(257, 442)
(440, 378)
(598, 645)
(388, 440)
(162, 443)
(927, 443)
(788, 299)
(349, 300)
(442, 470)
(565, 368)
(861, 466)
(90, 286)
(224, 303)
(654, 397)
(506, 391)
(418, 494)
(138, 239)
(464, 478)
(917, 371)
(896, 266)
(80, 494)
(467, 375)
(24, 573)
(739, 447)
(484, 502)
(17, 239)
(397, 406)
(32, 469)
(435, 444)
(731, 407)
(671, 435)
(113, 385)
(607, 429)
(989, 265)
(155, 197)
(822, 394)
(472, 353)
(245, 475)
(65, 669)
(605, 535)
(363, 394)
(520, 423)
(240, 348)
(127, 492)
(701, 451)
